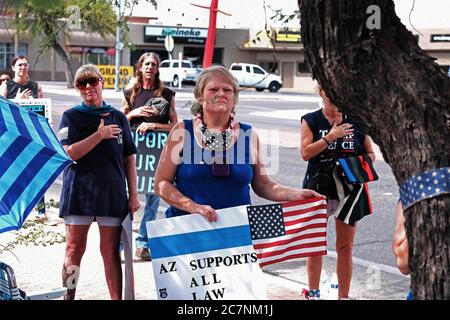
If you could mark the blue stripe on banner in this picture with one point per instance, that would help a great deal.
(201, 241)
(38, 127)
(20, 123)
(11, 154)
(23, 180)
(347, 170)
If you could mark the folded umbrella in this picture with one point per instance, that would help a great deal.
(31, 158)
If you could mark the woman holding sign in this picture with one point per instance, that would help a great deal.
(98, 138)
(210, 162)
(148, 105)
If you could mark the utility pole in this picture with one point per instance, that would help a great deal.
(118, 50)
(209, 48)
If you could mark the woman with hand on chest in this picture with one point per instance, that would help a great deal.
(148, 106)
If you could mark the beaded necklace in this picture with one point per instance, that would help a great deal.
(216, 140)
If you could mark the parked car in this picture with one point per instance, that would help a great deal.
(170, 71)
(252, 75)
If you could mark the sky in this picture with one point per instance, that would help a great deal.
(250, 14)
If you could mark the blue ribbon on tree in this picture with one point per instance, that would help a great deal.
(425, 185)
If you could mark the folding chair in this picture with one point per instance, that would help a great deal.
(10, 291)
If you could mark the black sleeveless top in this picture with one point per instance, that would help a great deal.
(142, 98)
(13, 87)
(347, 146)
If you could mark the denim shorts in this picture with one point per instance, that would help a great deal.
(87, 220)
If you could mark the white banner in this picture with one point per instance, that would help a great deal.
(194, 259)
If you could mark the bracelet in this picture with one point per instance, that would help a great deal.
(326, 141)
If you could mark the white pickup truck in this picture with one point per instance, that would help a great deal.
(252, 75)
(170, 71)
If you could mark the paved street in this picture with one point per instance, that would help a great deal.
(375, 275)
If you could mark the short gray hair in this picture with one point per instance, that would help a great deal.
(203, 79)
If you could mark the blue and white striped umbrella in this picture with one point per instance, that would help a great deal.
(31, 158)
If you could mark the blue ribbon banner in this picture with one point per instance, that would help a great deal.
(425, 185)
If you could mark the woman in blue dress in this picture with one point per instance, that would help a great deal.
(210, 162)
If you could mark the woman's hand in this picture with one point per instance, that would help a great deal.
(144, 111)
(301, 194)
(206, 211)
(145, 126)
(339, 131)
(108, 132)
(25, 94)
(133, 203)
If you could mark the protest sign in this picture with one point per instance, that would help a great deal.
(194, 259)
(39, 106)
(149, 148)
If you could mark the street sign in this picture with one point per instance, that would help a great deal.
(168, 43)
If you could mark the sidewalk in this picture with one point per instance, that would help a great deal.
(39, 269)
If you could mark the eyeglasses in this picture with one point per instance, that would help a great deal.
(23, 64)
(93, 82)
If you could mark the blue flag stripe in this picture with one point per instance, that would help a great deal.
(25, 179)
(31, 128)
(348, 172)
(6, 140)
(20, 164)
(13, 222)
(9, 120)
(17, 115)
(9, 156)
(40, 131)
(52, 137)
(34, 190)
(44, 188)
(201, 241)
(2, 122)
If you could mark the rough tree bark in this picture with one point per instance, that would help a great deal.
(384, 80)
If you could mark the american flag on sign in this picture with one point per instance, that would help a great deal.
(289, 230)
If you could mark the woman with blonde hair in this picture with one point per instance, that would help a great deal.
(210, 162)
(98, 138)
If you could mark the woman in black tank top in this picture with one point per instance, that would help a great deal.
(21, 87)
(326, 135)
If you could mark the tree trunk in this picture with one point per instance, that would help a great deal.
(66, 60)
(385, 81)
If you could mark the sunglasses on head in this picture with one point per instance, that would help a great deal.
(93, 82)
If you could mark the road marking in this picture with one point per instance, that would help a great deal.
(291, 114)
(371, 264)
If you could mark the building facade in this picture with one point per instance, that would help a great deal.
(279, 51)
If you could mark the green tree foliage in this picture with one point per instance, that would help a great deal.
(51, 20)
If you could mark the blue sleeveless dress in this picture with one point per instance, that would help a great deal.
(194, 176)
